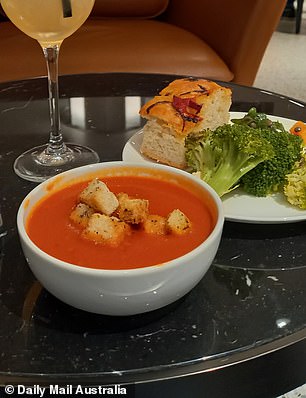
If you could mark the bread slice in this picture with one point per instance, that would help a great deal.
(132, 211)
(106, 229)
(99, 197)
(155, 224)
(161, 144)
(184, 106)
(177, 222)
(81, 214)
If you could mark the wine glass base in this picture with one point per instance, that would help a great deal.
(37, 165)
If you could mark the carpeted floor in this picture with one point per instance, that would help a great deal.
(297, 393)
(283, 68)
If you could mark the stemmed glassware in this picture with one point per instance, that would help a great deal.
(50, 22)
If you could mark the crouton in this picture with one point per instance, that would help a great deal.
(81, 213)
(106, 229)
(177, 222)
(132, 211)
(98, 196)
(155, 224)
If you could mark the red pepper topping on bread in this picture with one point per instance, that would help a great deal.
(188, 108)
(183, 107)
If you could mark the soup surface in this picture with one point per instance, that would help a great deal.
(50, 228)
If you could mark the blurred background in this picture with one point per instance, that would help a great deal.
(283, 67)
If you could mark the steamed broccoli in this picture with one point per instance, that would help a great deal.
(224, 155)
(295, 185)
(269, 176)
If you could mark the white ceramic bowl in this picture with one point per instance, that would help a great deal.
(119, 292)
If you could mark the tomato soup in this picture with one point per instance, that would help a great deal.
(50, 228)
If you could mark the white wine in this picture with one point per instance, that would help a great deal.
(48, 21)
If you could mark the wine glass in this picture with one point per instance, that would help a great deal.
(50, 22)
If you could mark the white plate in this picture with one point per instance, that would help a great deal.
(238, 206)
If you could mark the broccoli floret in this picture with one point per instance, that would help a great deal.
(295, 185)
(224, 155)
(269, 176)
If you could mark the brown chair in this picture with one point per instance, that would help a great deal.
(216, 39)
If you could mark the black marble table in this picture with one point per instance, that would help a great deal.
(239, 333)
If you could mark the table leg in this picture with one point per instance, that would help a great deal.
(299, 13)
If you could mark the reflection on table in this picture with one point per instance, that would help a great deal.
(251, 302)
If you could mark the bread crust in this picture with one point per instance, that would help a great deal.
(184, 119)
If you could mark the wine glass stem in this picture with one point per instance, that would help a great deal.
(56, 144)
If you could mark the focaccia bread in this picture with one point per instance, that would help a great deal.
(184, 106)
